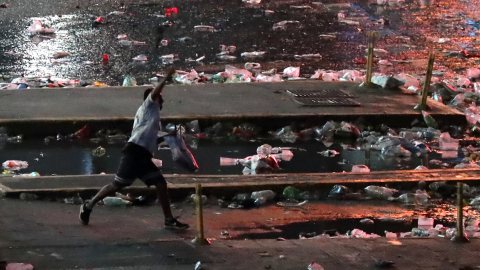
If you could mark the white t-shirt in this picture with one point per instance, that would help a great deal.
(146, 125)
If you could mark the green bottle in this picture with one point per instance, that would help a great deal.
(291, 193)
(429, 120)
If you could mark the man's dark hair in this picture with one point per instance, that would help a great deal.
(147, 92)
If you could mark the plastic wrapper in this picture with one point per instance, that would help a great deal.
(180, 153)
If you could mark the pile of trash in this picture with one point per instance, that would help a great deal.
(265, 161)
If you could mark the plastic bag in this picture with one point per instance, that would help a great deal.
(129, 81)
(180, 153)
(292, 71)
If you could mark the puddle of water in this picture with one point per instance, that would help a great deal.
(342, 226)
(75, 158)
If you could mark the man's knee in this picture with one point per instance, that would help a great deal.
(117, 185)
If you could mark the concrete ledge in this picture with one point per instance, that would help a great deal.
(229, 185)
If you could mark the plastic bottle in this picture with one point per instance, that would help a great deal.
(115, 201)
(429, 120)
(253, 54)
(379, 192)
(260, 201)
(267, 194)
(291, 193)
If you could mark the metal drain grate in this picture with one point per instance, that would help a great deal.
(307, 101)
(320, 93)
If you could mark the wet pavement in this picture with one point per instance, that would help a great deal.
(243, 25)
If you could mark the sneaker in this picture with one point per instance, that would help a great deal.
(84, 214)
(174, 224)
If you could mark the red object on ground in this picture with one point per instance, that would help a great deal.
(83, 132)
(105, 57)
(360, 61)
(99, 19)
(470, 53)
(171, 10)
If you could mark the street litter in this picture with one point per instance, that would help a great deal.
(204, 28)
(98, 152)
(315, 266)
(116, 201)
(19, 266)
(14, 165)
(329, 153)
(37, 28)
(141, 57)
(254, 54)
(284, 24)
(126, 42)
(265, 161)
(58, 55)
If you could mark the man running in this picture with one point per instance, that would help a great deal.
(137, 156)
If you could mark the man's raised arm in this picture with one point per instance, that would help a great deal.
(158, 89)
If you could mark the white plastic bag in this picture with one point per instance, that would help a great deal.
(292, 72)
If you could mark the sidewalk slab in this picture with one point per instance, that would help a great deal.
(208, 103)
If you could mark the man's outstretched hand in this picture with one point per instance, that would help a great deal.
(170, 73)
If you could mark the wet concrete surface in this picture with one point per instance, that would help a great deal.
(48, 235)
(238, 24)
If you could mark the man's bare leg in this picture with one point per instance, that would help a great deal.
(107, 190)
(164, 200)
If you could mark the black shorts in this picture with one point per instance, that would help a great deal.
(136, 163)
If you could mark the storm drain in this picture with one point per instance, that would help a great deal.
(322, 97)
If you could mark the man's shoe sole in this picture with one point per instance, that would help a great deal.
(175, 228)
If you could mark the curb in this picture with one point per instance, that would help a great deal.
(227, 186)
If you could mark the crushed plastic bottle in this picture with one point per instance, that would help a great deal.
(378, 192)
(115, 201)
(267, 194)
